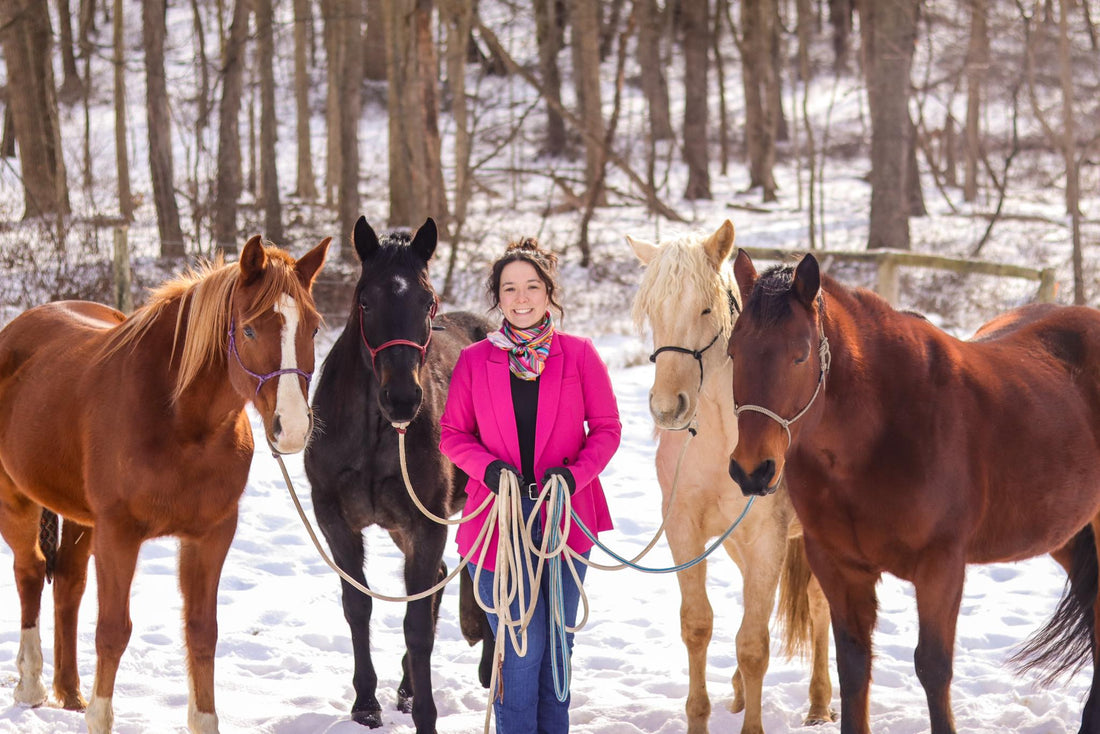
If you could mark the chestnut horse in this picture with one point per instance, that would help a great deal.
(688, 297)
(135, 428)
(911, 452)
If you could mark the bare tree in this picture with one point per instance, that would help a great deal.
(761, 83)
(160, 130)
(71, 86)
(306, 187)
(269, 173)
(696, 29)
(889, 31)
(584, 17)
(458, 18)
(25, 35)
(332, 13)
(840, 17)
(977, 60)
(125, 198)
(374, 48)
(651, 63)
(351, 81)
(1069, 149)
(548, 33)
(227, 188)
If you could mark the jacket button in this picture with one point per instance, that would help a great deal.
(565, 461)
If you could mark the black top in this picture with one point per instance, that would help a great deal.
(525, 398)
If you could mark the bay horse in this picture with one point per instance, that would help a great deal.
(133, 428)
(390, 366)
(690, 300)
(910, 452)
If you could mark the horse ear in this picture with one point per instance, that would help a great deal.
(645, 251)
(366, 241)
(744, 272)
(807, 281)
(425, 239)
(309, 264)
(719, 244)
(253, 259)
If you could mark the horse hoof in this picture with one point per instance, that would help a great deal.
(371, 719)
(816, 719)
(31, 693)
(73, 701)
(404, 701)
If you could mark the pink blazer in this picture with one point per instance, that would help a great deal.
(479, 426)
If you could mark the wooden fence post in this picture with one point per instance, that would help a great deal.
(887, 285)
(1047, 287)
(124, 297)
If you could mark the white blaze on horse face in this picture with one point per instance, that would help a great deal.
(400, 285)
(291, 408)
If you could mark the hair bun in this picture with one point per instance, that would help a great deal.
(530, 244)
(529, 248)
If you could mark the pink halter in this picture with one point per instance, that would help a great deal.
(422, 348)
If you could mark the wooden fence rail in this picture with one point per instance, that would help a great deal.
(887, 263)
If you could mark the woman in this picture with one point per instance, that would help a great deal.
(519, 402)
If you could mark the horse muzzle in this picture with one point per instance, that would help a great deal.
(759, 482)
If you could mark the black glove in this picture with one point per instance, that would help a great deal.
(565, 474)
(492, 474)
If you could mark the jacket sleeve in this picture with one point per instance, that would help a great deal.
(601, 413)
(459, 438)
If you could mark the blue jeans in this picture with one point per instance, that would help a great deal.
(530, 704)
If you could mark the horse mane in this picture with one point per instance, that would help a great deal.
(203, 294)
(394, 252)
(681, 270)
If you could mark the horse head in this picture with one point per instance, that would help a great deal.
(687, 297)
(272, 325)
(396, 303)
(780, 361)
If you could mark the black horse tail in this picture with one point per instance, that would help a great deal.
(49, 535)
(1066, 642)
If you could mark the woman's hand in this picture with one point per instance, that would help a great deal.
(493, 471)
(565, 474)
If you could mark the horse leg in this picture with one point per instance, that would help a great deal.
(116, 553)
(405, 688)
(19, 526)
(850, 590)
(70, 580)
(696, 619)
(760, 563)
(476, 627)
(201, 561)
(821, 686)
(422, 565)
(938, 583)
(346, 545)
(1086, 577)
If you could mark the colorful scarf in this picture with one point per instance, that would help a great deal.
(527, 348)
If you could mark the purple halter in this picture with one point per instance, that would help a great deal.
(262, 378)
(422, 348)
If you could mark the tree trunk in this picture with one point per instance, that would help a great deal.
(584, 16)
(374, 49)
(71, 88)
(160, 130)
(399, 72)
(458, 16)
(805, 72)
(202, 116)
(889, 32)
(332, 11)
(306, 187)
(548, 32)
(230, 179)
(696, 29)
(269, 173)
(1069, 150)
(122, 157)
(840, 17)
(761, 84)
(25, 35)
(977, 59)
(609, 26)
(427, 65)
(651, 63)
(720, 10)
(351, 81)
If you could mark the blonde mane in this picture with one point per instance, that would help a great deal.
(680, 282)
(204, 294)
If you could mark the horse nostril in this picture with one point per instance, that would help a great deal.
(765, 473)
(681, 403)
(277, 425)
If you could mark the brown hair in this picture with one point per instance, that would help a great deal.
(543, 261)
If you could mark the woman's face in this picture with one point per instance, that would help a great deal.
(523, 297)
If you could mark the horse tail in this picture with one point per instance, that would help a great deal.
(794, 604)
(49, 535)
(1065, 643)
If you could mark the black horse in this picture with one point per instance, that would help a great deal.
(392, 365)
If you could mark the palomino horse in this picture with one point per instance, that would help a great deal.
(391, 366)
(135, 428)
(908, 451)
(688, 297)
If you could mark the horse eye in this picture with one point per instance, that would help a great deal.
(802, 359)
(249, 332)
(706, 311)
(316, 331)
